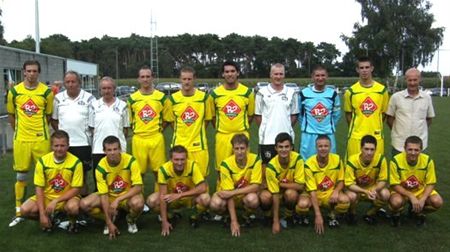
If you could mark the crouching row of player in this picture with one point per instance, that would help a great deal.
(286, 181)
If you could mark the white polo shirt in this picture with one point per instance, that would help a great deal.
(275, 109)
(411, 115)
(73, 116)
(106, 121)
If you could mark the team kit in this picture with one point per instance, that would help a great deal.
(277, 186)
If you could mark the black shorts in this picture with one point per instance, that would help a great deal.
(267, 152)
(84, 153)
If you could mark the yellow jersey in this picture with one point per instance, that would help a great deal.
(412, 178)
(118, 180)
(232, 108)
(367, 106)
(293, 173)
(31, 108)
(325, 178)
(188, 114)
(146, 112)
(365, 176)
(58, 178)
(178, 183)
(233, 177)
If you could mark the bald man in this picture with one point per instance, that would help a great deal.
(409, 112)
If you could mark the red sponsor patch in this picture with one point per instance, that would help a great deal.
(231, 109)
(180, 187)
(189, 116)
(147, 114)
(118, 185)
(58, 183)
(30, 108)
(326, 184)
(319, 112)
(364, 180)
(285, 180)
(368, 106)
(241, 183)
(411, 183)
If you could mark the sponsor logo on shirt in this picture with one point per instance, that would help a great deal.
(285, 180)
(30, 108)
(147, 114)
(180, 187)
(319, 112)
(326, 184)
(241, 183)
(189, 116)
(368, 107)
(118, 185)
(411, 183)
(58, 183)
(231, 109)
(364, 180)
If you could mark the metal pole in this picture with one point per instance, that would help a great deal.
(36, 22)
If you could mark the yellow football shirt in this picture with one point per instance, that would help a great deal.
(325, 178)
(367, 106)
(146, 112)
(233, 177)
(365, 176)
(276, 174)
(412, 178)
(232, 108)
(31, 108)
(178, 183)
(57, 179)
(118, 180)
(189, 113)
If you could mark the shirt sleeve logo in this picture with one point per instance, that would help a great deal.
(30, 108)
(231, 109)
(368, 107)
(319, 112)
(58, 184)
(189, 116)
(147, 114)
(118, 185)
(326, 184)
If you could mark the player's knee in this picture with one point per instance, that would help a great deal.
(385, 194)
(204, 199)
(84, 205)
(396, 202)
(153, 200)
(265, 198)
(251, 200)
(436, 201)
(72, 207)
(304, 203)
(21, 176)
(136, 203)
(217, 204)
(343, 199)
(290, 195)
(352, 196)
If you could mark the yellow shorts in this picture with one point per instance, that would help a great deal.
(418, 193)
(354, 146)
(224, 148)
(26, 152)
(59, 205)
(324, 198)
(149, 152)
(201, 157)
(186, 202)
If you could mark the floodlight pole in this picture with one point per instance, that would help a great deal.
(36, 22)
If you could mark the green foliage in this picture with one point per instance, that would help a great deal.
(397, 34)
(2, 30)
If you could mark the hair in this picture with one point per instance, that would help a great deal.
(413, 140)
(187, 69)
(111, 140)
(364, 59)
(145, 67)
(230, 63)
(107, 78)
(239, 139)
(412, 70)
(276, 65)
(323, 137)
(283, 136)
(318, 68)
(77, 75)
(60, 134)
(177, 149)
(368, 139)
(32, 63)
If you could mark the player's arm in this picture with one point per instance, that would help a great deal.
(12, 121)
(234, 224)
(134, 190)
(294, 186)
(276, 213)
(429, 120)
(113, 230)
(294, 119)
(390, 121)
(54, 123)
(348, 117)
(227, 194)
(357, 189)
(72, 192)
(197, 190)
(40, 199)
(380, 185)
(165, 225)
(258, 119)
(426, 193)
(335, 195)
(402, 191)
(318, 219)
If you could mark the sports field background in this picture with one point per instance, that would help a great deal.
(435, 236)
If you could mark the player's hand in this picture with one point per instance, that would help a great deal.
(171, 197)
(276, 227)
(235, 228)
(334, 197)
(165, 228)
(416, 208)
(50, 209)
(113, 231)
(318, 225)
(44, 221)
(372, 195)
(225, 194)
(422, 204)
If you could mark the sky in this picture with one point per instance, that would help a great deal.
(311, 20)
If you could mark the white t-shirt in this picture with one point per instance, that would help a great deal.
(106, 121)
(275, 109)
(73, 116)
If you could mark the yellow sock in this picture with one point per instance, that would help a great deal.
(20, 189)
(97, 213)
(341, 208)
(301, 211)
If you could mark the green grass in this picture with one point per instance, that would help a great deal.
(433, 237)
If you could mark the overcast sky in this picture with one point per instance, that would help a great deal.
(312, 20)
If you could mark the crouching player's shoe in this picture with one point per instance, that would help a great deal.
(132, 227)
(16, 220)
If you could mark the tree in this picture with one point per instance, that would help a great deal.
(57, 44)
(397, 34)
(2, 40)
